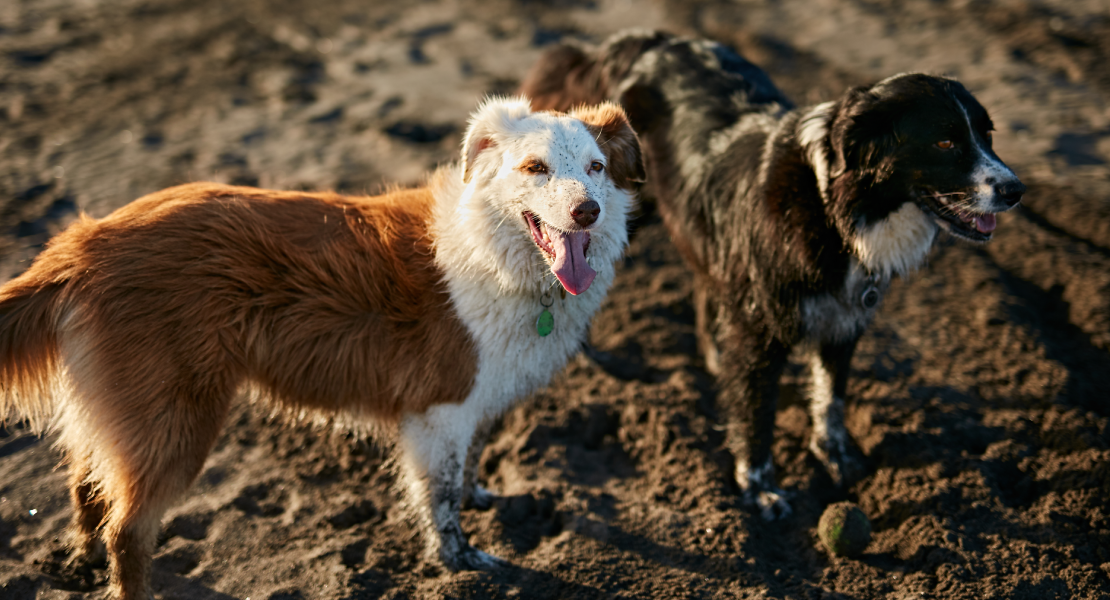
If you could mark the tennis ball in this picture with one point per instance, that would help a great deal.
(844, 529)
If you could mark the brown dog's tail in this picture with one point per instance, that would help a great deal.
(28, 349)
(568, 76)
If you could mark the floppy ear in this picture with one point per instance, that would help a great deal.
(862, 135)
(493, 119)
(840, 129)
(863, 140)
(609, 126)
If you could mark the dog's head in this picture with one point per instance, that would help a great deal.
(561, 184)
(922, 140)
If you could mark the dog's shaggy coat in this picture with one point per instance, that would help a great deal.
(413, 312)
(793, 220)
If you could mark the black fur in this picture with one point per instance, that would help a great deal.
(779, 211)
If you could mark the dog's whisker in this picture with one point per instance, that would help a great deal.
(502, 222)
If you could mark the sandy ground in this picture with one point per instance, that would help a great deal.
(978, 397)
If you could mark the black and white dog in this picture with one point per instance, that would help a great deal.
(794, 220)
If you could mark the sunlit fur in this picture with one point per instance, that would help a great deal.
(412, 312)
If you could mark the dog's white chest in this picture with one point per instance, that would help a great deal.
(514, 359)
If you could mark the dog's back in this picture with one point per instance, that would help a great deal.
(221, 273)
(569, 75)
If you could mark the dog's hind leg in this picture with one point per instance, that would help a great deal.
(435, 446)
(474, 495)
(157, 447)
(751, 364)
(88, 514)
(829, 441)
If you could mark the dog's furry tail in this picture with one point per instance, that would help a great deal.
(567, 76)
(28, 349)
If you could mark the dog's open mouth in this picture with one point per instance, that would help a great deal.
(566, 251)
(974, 226)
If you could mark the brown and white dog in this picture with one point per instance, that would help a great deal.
(415, 311)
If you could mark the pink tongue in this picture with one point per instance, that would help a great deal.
(570, 260)
(986, 223)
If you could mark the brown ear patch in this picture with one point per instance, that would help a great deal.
(609, 126)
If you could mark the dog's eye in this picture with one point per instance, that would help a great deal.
(536, 168)
(945, 144)
(597, 167)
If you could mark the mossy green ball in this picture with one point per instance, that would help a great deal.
(844, 529)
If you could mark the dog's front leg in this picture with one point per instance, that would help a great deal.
(751, 365)
(434, 446)
(474, 495)
(829, 441)
(706, 306)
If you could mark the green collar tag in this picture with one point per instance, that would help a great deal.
(545, 323)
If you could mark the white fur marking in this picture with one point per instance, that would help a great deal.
(825, 409)
(812, 130)
(821, 397)
(896, 244)
(988, 172)
(759, 488)
(768, 152)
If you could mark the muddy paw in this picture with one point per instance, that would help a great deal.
(470, 558)
(93, 556)
(842, 461)
(480, 498)
(759, 489)
(772, 504)
(81, 569)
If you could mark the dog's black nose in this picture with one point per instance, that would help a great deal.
(1010, 192)
(586, 213)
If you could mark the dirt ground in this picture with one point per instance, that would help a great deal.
(979, 395)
